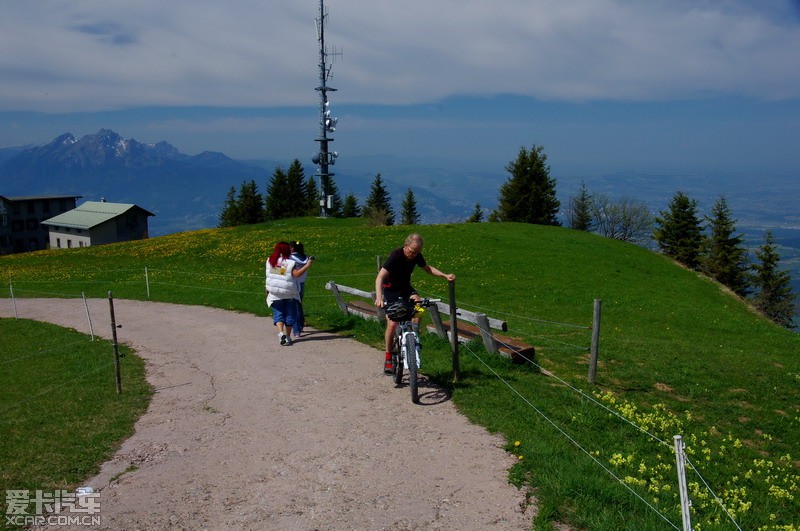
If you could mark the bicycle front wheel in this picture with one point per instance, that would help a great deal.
(397, 363)
(411, 356)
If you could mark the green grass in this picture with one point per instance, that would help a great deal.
(60, 414)
(678, 355)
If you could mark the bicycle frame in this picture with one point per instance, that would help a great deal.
(403, 331)
(406, 352)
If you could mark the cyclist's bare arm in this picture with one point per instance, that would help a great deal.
(379, 280)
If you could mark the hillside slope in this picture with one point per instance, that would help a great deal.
(670, 340)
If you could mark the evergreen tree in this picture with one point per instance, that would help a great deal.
(350, 208)
(774, 298)
(477, 214)
(678, 232)
(250, 204)
(378, 206)
(580, 210)
(725, 257)
(529, 195)
(229, 217)
(295, 187)
(328, 188)
(312, 197)
(245, 207)
(278, 199)
(410, 215)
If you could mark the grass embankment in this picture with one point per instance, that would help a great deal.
(60, 414)
(678, 355)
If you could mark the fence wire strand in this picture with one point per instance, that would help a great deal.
(571, 439)
(518, 352)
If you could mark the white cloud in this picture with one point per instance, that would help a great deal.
(81, 55)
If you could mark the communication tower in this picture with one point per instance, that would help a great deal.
(324, 158)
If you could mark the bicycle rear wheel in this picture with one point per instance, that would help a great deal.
(411, 356)
(397, 362)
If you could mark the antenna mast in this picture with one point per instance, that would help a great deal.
(327, 124)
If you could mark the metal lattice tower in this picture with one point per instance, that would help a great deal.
(327, 124)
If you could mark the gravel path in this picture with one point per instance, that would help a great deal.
(245, 434)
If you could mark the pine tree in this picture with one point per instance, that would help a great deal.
(378, 208)
(312, 197)
(329, 188)
(725, 257)
(350, 208)
(295, 188)
(678, 232)
(477, 214)
(529, 195)
(410, 215)
(775, 298)
(251, 204)
(229, 217)
(278, 200)
(580, 215)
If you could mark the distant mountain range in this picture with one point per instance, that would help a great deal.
(185, 192)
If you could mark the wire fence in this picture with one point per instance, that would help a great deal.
(252, 285)
(572, 440)
(62, 348)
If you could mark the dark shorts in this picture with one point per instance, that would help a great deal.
(391, 295)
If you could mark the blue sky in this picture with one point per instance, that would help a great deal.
(603, 85)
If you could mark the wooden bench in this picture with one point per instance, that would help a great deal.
(518, 351)
(470, 324)
(365, 309)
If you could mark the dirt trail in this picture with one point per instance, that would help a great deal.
(243, 433)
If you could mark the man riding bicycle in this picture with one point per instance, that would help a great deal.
(394, 282)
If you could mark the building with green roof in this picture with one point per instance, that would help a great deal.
(97, 223)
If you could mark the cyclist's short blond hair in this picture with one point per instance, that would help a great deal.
(414, 238)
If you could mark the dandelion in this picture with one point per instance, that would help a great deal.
(517, 443)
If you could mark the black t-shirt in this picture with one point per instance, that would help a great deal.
(400, 269)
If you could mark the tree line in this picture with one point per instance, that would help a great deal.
(291, 194)
(707, 244)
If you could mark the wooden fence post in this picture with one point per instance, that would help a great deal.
(598, 303)
(13, 301)
(454, 331)
(436, 318)
(117, 376)
(339, 300)
(486, 333)
(88, 315)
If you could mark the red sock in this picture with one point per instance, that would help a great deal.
(388, 356)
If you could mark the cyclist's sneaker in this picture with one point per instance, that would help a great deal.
(282, 338)
(289, 342)
(387, 365)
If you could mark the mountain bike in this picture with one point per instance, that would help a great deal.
(405, 344)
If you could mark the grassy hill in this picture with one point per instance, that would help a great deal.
(678, 356)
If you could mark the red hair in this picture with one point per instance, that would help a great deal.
(282, 250)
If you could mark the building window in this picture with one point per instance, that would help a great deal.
(17, 225)
(31, 207)
(69, 244)
(58, 243)
(32, 224)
